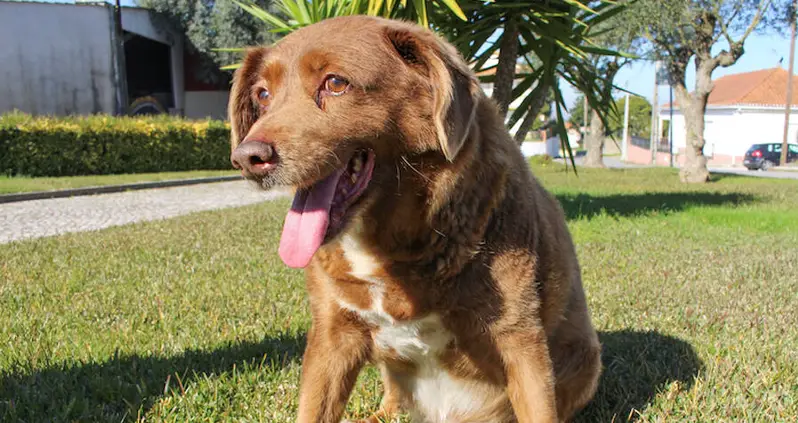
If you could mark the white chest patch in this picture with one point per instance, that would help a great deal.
(436, 396)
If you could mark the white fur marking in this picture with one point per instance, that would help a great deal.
(361, 262)
(437, 396)
(441, 399)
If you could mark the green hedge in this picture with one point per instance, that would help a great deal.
(101, 144)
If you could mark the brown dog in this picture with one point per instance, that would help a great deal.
(428, 247)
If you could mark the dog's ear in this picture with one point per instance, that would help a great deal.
(454, 86)
(241, 108)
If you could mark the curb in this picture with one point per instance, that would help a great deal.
(107, 189)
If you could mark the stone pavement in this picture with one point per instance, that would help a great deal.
(38, 218)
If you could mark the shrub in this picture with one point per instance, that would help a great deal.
(102, 144)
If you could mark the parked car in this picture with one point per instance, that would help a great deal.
(765, 156)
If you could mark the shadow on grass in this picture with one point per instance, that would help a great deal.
(737, 177)
(637, 365)
(624, 205)
(117, 389)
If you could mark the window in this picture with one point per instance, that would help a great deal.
(793, 149)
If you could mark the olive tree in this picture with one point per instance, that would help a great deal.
(706, 34)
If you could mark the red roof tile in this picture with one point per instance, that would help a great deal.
(766, 87)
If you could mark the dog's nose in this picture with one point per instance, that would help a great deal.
(253, 157)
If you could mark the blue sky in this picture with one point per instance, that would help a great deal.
(761, 52)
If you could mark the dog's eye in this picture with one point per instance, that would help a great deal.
(336, 85)
(263, 96)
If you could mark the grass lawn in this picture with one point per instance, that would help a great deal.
(694, 291)
(17, 184)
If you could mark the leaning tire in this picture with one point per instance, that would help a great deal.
(145, 106)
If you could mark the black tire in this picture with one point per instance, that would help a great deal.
(145, 106)
(766, 165)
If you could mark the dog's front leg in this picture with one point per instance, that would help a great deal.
(530, 374)
(338, 346)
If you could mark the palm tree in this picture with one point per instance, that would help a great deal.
(556, 32)
(305, 12)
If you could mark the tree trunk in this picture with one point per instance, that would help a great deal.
(531, 115)
(505, 68)
(594, 142)
(694, 106)
(694, 169)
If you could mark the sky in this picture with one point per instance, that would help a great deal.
(761, 52)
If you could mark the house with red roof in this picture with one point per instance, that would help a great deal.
(743, 109)
(487, 87)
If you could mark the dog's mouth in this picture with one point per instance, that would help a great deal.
(320, 211)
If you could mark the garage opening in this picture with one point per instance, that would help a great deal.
(149, 82)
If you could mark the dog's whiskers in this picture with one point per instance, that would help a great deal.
(404, 159)
(398, 180)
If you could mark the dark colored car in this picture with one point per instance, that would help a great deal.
(765, 156)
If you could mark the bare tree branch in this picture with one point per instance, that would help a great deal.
(756, 20)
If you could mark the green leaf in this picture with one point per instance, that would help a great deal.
(374, 7)
(421, 11)
(580, 5)
(561, 131)
(454, 7)
(520, 111)
(263, 15)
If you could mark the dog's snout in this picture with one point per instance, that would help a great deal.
(253, 157)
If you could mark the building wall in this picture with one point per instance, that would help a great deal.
(205, 104)
(766, 126)
(642, 156)
(637, 155)
(55, 59)
(728, 133)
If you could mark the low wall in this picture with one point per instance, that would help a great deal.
(637, 155)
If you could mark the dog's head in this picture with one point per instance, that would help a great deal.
(331, 106)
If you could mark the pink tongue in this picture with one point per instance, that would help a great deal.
(306, 222)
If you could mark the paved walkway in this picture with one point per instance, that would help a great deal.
(38, 218)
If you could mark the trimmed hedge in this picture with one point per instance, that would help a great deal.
(102, 144)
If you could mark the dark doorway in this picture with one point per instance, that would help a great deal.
(149, 75)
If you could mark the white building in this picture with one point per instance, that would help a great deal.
(62, 59)
(529, 148)
(743, 109)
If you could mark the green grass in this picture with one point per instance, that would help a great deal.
(18, 184)
(693, 290)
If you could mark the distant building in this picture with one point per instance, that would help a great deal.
(487, 87)
(743, 109)
(62, 59)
